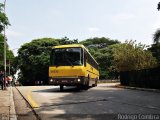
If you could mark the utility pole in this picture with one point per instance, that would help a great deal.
(4, 80)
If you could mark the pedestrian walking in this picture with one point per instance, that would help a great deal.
(7, 81)
(1, 79)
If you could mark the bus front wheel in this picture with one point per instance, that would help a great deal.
(86, 86)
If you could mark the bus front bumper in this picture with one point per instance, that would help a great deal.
(67, 81)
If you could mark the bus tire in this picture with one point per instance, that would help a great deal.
(96, 81)
(86, 86)
(61, 87)
(79, 87)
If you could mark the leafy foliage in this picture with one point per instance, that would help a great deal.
(3, 18)
(131, 56)
(101, 49)
(66, 40)
(112, 56)
(33, 60)
(104, 58)
(156, 36)
(9, 54)
(155, 49)
(99, 42)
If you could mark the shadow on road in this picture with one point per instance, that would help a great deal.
(74, 105)
(100, 103)
(66, 90)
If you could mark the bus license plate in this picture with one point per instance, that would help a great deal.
(64, 81)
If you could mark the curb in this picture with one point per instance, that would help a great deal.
(12, 111)
(33, 110)
(137, 88)
(108, 81)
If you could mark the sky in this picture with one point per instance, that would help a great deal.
(81, 19)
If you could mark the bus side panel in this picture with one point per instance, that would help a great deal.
(92, 74)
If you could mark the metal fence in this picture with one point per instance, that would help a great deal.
(147, 78)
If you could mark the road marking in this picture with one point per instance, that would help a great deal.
(31, 101)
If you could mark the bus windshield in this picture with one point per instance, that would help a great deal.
(66, 57)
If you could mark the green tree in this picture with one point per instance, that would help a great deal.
(104, 57)
(156, 36)
(100, 48)
(131, 56)
(9, 55)
(155, 49)
(33, 60)
(3, 18)
(4, 22)
(99, 42)
(103, 61)
(66, 40)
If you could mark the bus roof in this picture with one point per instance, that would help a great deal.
(69, 45)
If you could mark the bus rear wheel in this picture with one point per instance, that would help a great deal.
(96, 81)
(61, 87)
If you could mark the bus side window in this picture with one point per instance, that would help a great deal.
(51, 58)
(85, 58)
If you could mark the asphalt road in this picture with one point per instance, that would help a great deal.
(98, 103)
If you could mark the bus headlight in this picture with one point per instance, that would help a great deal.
(51, 80)
(79, 80)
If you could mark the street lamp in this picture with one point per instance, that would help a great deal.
(4, 81)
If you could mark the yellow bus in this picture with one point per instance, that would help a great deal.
(73, 65)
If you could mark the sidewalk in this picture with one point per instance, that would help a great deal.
(7, 108)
